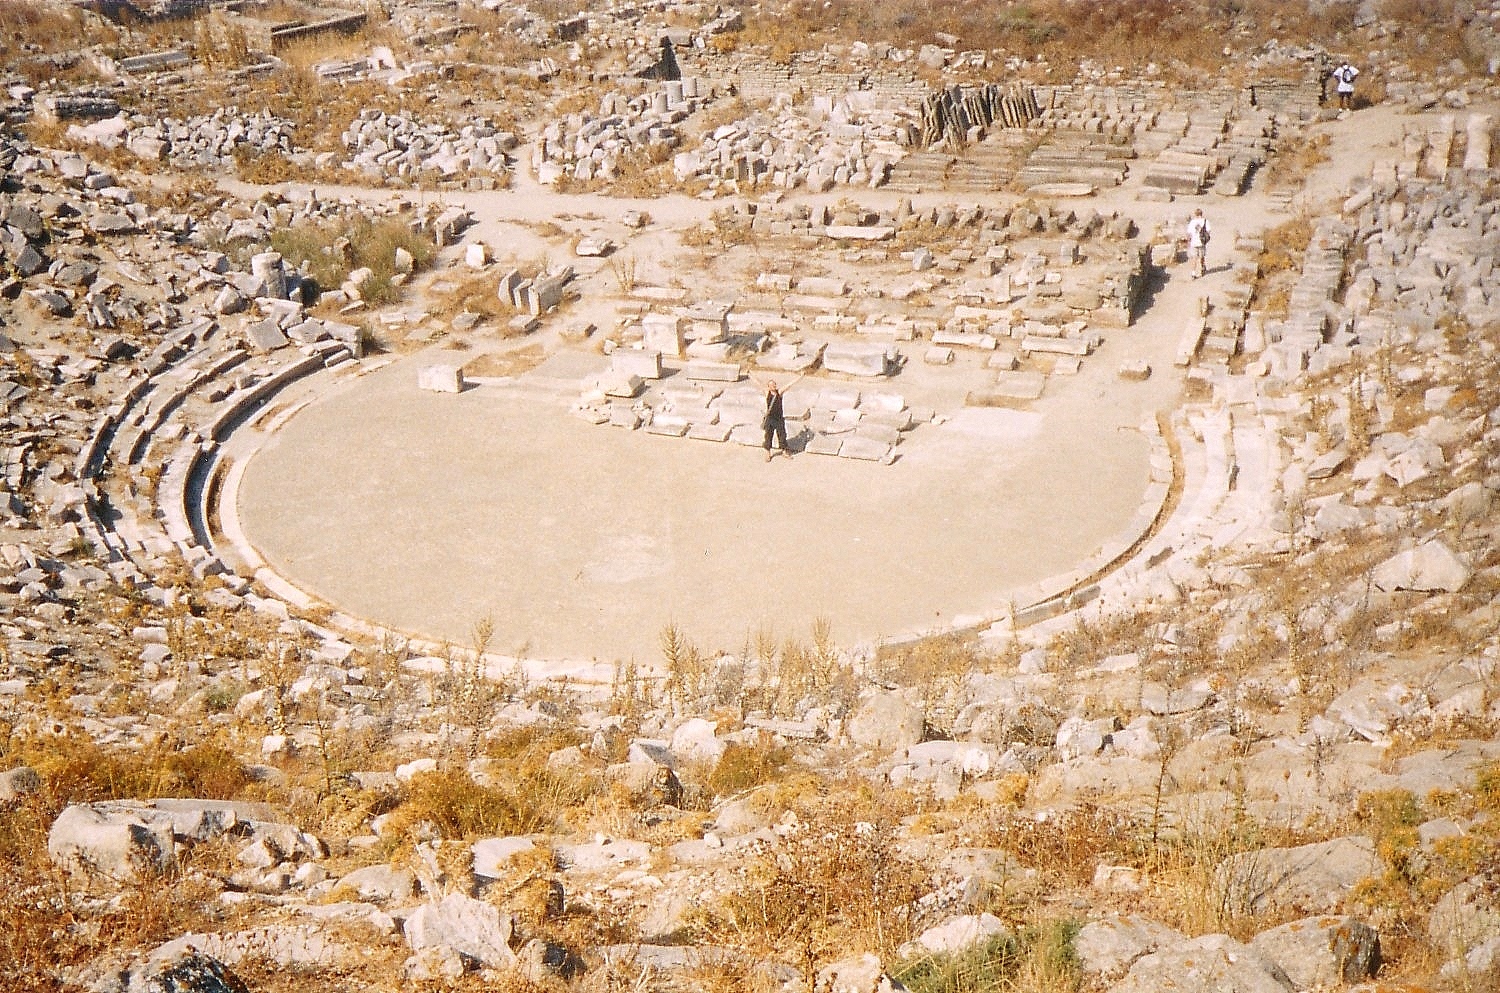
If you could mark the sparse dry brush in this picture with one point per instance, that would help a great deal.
(831, 887)
(328, 251)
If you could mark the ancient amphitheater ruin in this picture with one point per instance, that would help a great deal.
(397, 588)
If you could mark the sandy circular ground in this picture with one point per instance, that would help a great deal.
(428, 512)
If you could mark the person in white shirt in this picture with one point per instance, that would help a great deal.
(1198, 233)
(1343, 78)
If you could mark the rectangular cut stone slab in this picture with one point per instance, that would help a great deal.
(832, 398)
(307, 332)
(966, 339)
(709, 432)
(987, 314)
(856, 359)
(884, 434)
(736, 410)
(714, 372)
(749, 435)
(669, 429)
(1187, 345)
(1059, 346)
(265, 336)
(853, 232)
(825, 444)
(808, 301)
(630, 362)
(441, 378)
(792, 358)
(622, 386)
(624, 415)
(864, 449)
(1020, 385)
(889, 403)
(900, 420)
(664, 333)
(663, 294)
(938, 355)
(822, 286)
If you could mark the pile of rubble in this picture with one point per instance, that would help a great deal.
(587, 146)
(208, 141)
(850, 141)
(397, 147)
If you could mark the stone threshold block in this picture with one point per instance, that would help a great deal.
(1026, 385)
(864, 450)
(1057, 346)
(713, 372)
(709, 432)
(859, 360)
(632, 362)
(668, 428)
(441, 378)
(852, 232)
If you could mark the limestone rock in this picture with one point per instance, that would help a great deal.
(1112, 944)
(695, 739)
(1322, 951)
(1463, 918)
(1431, 567)
(381, 883)
(957, 934)
(470, 927)
(18, 782)
(1214, 963)
(118, 844)
(491, 854)
(441, 378)
(1309, 877)
(886, 721)
(186, 971)
(855, 974)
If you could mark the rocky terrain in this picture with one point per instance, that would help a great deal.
(1249, 745)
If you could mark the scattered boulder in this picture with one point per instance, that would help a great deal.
(182, 971)
(1214, 963)
(472, 928)
(1111, 945)
(1309, 877)
(1322, 951)
(855, 974)
(886, 721)
(18, 782)
(118, 843)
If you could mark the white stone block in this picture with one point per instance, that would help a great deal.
(441, 378)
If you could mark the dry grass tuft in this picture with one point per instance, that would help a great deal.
(328, 251)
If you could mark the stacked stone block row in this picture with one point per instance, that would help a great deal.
(207, 141)
(957, 115)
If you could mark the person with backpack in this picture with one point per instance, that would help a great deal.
(1198, 233)
(1343, 78)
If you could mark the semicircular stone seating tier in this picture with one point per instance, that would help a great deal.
(150, 467)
